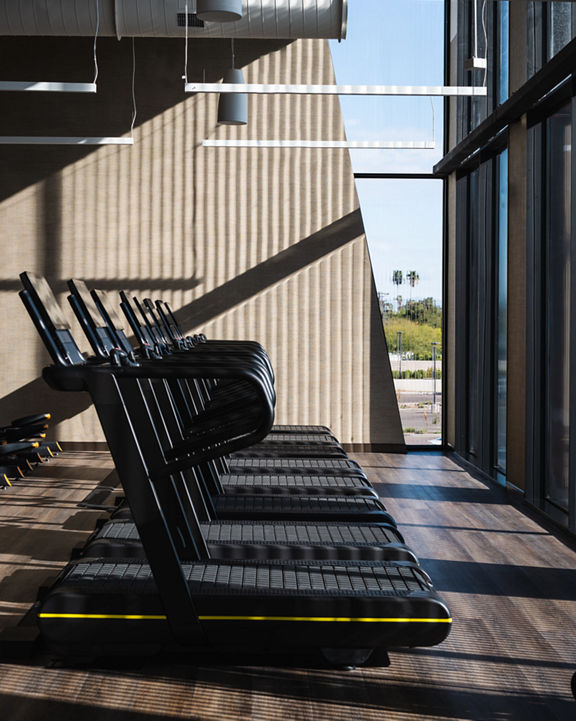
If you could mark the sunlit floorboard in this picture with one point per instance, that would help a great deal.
(511, 587)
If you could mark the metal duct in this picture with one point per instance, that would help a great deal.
(289, 19)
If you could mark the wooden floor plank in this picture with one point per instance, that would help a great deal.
(510, 585)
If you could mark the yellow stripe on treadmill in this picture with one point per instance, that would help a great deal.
(103, 616)
(329, 619)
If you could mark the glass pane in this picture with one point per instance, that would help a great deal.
(557, 337)
(501, 310)
(405, 245)
(560, 26)
(473, 312)
(481, 46)
(535, 40)
(392, 43)
(504, 25)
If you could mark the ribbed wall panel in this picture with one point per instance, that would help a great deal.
(321, 355)
(264, 243)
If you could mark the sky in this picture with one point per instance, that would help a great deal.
(396, 42)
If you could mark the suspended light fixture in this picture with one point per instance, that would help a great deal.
(233, 107)
(476, 62)
(219, 11)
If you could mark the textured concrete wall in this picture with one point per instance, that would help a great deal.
(266, 244)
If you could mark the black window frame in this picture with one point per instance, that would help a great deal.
(536, 307)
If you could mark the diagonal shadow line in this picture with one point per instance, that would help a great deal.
(271, 271)
(37, 394)
(501, 579)
(248, 284)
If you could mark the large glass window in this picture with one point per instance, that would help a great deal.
(504, 45)
(475, 343)
(557, 316)
(393, 43)
(401, 44)
(481, 315)
(403, 221)
(502, 313)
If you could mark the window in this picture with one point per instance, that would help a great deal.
(481, 315)
(501, 344)
(557, 314)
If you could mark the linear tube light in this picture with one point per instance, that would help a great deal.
(48, 140)
(266, 89)
(19, 86)
(353, 145)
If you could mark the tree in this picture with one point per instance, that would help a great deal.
(420, 322)
(397, 277)
(423, 311)
(412, 277)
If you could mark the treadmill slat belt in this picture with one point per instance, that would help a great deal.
(215, 578)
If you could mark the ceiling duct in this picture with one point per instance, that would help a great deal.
(287, 19)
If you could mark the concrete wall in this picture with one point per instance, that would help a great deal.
(267, 244)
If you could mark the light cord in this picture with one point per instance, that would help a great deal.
(485, 42)
(185, 76)
(134, 110)
(96, 40)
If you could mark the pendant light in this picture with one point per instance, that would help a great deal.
(233, 107)
(219, 11)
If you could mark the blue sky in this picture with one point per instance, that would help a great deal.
(396, 42)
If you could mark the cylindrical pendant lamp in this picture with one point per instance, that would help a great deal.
(233, 107)
(219, 11)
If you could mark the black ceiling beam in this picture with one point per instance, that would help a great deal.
(554, 71)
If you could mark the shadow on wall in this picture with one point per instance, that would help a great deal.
(159, 86)
(307, 251)
(38, 396)
(271, 271)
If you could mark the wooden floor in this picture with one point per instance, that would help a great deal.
(510, 585)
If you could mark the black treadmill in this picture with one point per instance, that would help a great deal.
(107, 340)
(210, 498)
(119, 537)
(149, 334)
(103, 328)
(174, 331)
(181, 598)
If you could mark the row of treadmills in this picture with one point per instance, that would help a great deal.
(235, 535)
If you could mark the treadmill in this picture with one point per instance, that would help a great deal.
(226, 539)
(149, 334)
(99, 325)
(183, 599)
(106, 340)
(174, 331)
(50, 321)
